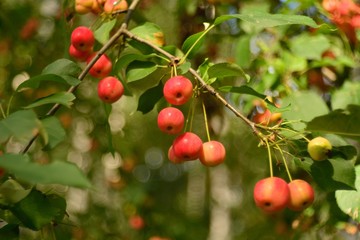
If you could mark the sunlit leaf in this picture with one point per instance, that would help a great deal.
(63, 98)
(62, 67)
(54, 130)
(348, 94)
(12, 192)
(150, 32)
(221, 70)
(269, 20)
(56, 172)
(102, 34)
(18, 124)
(190, 41)
(34, 82)
(340, 122)
(349, 200)
(138, 70)
(309, 46)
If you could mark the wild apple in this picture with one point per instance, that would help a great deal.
(213, 153)
(110, 89)
(136, 222)
(301, 195)
(187, 146)
(111, 6)
(178, 90)
(98, 6)
(170, 120)
(271, 194)
(78, 55)
(82, 38)
(172, 157)
(319, 148)
(102, 66)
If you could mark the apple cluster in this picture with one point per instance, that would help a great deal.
(100, 6)
(273, 194)
(186, 146)
(262, 115)
(82, 41)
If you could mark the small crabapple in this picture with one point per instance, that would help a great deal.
(82, 38)
(102, 66)
(213, 153)
(187, 146)
(172, 157)
(271, 194)
(110, 89)
(78, 55)
(178, 90)
(319, 148)
(301, 195)
(170, 120)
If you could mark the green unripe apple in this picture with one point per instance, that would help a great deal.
(319, 148)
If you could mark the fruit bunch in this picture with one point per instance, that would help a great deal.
(262, 115)
(345, 14)
(273, 194)
(187, 146)
(82, 41)
(100, 6)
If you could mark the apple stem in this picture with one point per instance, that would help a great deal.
(190, 116)
(2, 111)
(284, 160)
(269, 155)
(206, 121)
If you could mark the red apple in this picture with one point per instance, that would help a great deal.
(136, 222)
(102, 66)
(178, 90)
(110, 89)
(98, 6)
(187, 146)
(111, 6)
(213, 153)
(301, 195)
(170, 120)
(172, 157)
(82, 38)
(78, 55)
(271, 194)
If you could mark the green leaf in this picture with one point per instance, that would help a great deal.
(340, 122)
(348, 94)
(309, 46)
(63, 98)
(221, 70)
(267, 20)
(126, 59)
(138, 70)
(305, 105)
(56, 172)
(102, 34)
(18, 124)
(108, 108)
(34, 82)
(62, 67)
(242, 90)
(330, 175)
(12, 192)
(184, 68)
(54, 130)
(349, 200)
(190, 41)
(203, 69)
(243, 53)
(38, 209)
(149, 98)
(10, 232)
